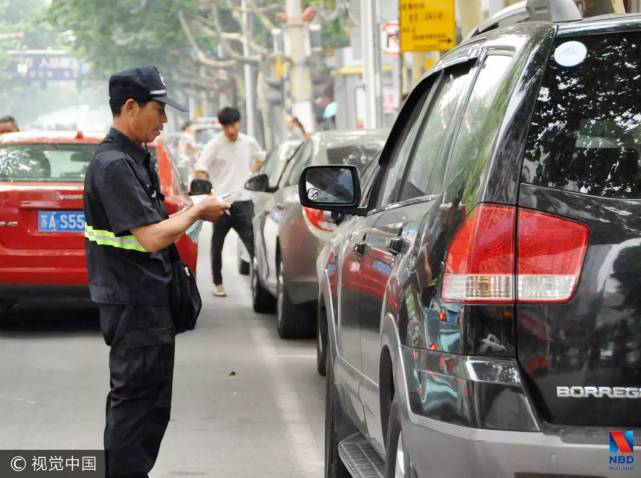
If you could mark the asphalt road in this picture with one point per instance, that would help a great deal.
(246, 403)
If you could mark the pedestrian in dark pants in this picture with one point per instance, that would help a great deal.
(128, 233)
(227, 161)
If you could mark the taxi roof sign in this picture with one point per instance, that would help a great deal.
(427, 25)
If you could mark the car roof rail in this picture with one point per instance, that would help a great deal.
(555, 11)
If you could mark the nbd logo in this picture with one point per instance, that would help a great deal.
(621, 450)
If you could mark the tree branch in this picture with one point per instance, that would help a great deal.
(253, 60)
(212, 28)
(259, 12)
(339, 7)
(200, 56)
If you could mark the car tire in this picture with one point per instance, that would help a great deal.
(321, 343)
(243, 267)
(262, 301)
(334, 467)
(293, 321)
(397, 461)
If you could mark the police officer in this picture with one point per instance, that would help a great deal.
(127, 235)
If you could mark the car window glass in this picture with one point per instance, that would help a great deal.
(478, 127)
(271, 163)
(392, 173)
(428, 158)
(290, 165)
(286, 168)
(585, 134)
(359, 155)
(285, 153)
(45, 162)
(299, 163)
(367, 180)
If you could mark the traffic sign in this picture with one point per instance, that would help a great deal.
(427, 25)
(391, 38)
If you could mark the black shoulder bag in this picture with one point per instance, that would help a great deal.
(184, 298)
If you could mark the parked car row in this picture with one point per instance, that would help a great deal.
(288, 237)
(42, 245)
(478, 306)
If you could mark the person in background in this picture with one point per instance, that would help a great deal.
(187, 151)
(227, 161)
(8, 125)
(295, 129)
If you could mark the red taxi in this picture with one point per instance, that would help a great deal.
(42, 245)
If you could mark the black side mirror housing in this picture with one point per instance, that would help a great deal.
(258, 183)
(199, 186)
(331, 188)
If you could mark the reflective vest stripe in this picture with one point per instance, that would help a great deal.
(108, 238)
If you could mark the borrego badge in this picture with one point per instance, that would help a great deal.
(570, 53)
(598, 392)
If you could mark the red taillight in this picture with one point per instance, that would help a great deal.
(480, 261)
(550, 256)
(480, 265)
(320, 219)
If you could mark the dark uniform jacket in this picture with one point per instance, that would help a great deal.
(122, 193)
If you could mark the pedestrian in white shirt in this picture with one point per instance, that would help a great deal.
(227, 161)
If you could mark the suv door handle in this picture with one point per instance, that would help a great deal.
(360, 248)
(396, 245)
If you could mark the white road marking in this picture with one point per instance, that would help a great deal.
(304, 447)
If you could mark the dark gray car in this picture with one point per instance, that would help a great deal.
(482, 302)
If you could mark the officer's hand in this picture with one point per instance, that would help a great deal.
(210, 208)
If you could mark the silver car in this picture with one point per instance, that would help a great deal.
(288, 237)
(273, 167)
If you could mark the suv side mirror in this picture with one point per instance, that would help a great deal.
(258, 183)
(199, 186)
(331, 188)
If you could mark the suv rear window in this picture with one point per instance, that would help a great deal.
(585, 134)
(45, 162)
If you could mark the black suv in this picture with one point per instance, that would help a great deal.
(482, 305)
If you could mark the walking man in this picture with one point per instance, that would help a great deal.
(227, 161)
(127, 235)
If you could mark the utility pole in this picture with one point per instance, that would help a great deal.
(370, 40)
(299, 73)
(250, 91)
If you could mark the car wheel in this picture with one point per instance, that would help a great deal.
(321, 343)
(262, 301)
(243, 267)
(334, 467)
(397, 460)
(292, 321)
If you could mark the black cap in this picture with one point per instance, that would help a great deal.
(144, 82)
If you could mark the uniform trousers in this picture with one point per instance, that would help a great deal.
(141, 366)
(240, 218)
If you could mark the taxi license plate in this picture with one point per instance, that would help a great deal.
(61, 221)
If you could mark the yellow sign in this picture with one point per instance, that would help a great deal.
(427, 25)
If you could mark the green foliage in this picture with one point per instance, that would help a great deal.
(334, 33)
(28, 18)
(112, 36)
